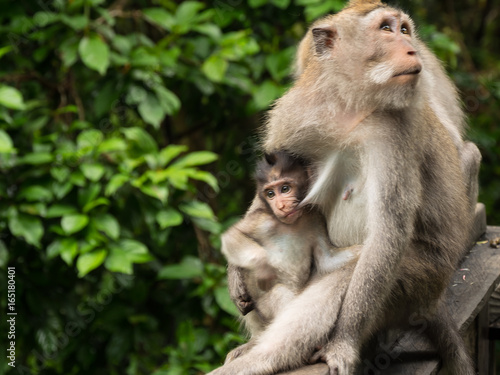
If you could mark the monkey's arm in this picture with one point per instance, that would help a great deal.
(393, 170)
(240, 248)
(238, 290)
(242, 252)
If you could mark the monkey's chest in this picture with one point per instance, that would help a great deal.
(289, 252)
(346, 210)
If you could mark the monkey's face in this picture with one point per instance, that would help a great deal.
(373, 56)
(393, 58)
(283, 197)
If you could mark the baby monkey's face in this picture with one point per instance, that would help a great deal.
(283, 197)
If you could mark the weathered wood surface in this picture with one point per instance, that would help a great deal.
(467, 295)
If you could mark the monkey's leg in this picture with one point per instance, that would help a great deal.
(301, 326)
(444, 333)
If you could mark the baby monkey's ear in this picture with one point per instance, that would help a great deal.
(270, 158)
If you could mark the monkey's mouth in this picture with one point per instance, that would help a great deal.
(409, 72)
(291, 216)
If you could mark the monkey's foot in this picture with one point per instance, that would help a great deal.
(341, 357)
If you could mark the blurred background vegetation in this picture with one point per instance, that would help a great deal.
(128, 131)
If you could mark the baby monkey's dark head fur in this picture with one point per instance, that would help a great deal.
(282, 183)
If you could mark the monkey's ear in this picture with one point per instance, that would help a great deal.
(324, 38)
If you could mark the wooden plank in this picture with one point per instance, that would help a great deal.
(485, 349)
(475, 281)
(467, 295)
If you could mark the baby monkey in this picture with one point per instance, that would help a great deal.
(280, 245)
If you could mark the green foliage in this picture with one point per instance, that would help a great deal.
(127, 138)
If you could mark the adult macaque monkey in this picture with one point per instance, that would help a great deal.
(364, 105)
(279, 245)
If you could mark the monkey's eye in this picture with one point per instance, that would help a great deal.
(270, 194)
(286, 189)
(405, 30)
(385, 27)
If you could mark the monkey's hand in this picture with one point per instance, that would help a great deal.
(238, 352)
(340, 356)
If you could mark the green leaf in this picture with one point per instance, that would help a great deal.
(61, 189)
(168, 100)
(169, 218)
(196, 158)
(205, 177)
(73, 223)
(224, 301)
(209, 29)
(136, 94)
(156, 191)
(67, 248)
(94, 53)
(187, 11)
(122, 44)
(11, 97)
(90, 261)
(88, 194)
(197, 209)
(58, 210)
(170, 152)
(283, 4)
(69, 52)
(141, 140)
(178, 178)
(101, 201)
(36, 158)
(61, 174)
(44, 18)
(209, 225)
(5, 50)
(112, 144)
(256, 3)
(115, 183)
(90, 138)
(279, 63)
(265, 94)
(159, 16)
(29, 227)
(144, 57)
(35, 209)
(215, 68)
(93, 171)
(189, 268)
(4, 255)
(151, 111)
(169, 57)
(6, 144)
(77, 23)
(35, 193)
(122, 257)
(108, 224)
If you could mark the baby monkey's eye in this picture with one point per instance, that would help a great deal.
(270, 194)
(286, 189)
(405, 30)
